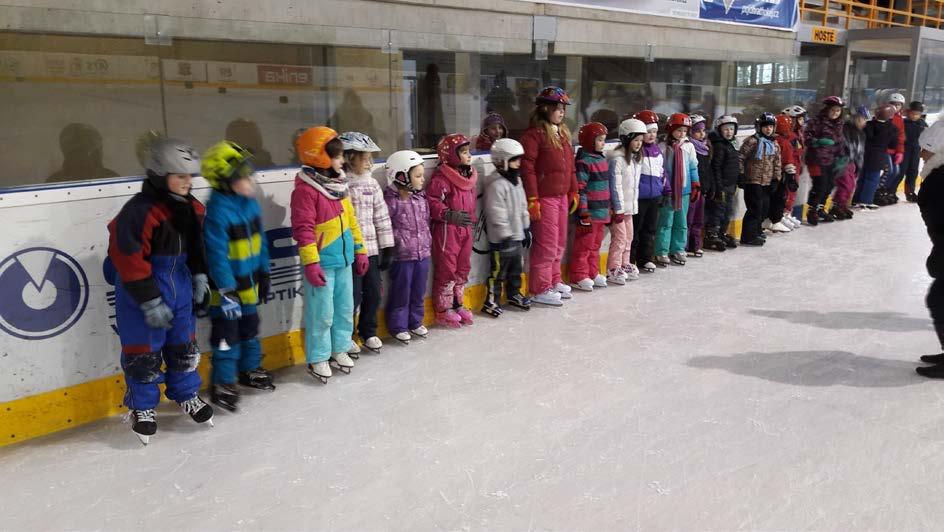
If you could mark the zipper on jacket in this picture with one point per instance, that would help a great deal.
(173, 266)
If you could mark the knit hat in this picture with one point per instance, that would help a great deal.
(492, 119)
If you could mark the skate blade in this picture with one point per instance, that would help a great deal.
(354, 356)
(144, 439)
(210, 422)
(377, 351)
(403, 342)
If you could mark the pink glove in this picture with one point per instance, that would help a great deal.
(361, 263)
(899, 157)
(315, 275)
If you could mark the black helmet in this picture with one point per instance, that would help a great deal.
(916, 106)
(765, 119)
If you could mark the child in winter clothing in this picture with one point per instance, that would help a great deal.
(493, 128)
(653, 189)
(593, 209)
(779, 188)
(930, 198)
(896, 157)
(156, 246)
(374, 221)
(760, 166)
(696, 212)
(330, 246)
(914, 126)
(625, 168)
(798, 114)
(508, 227)
(824, 147)
(725, 167)
(409, 212)
(881, 136)
(451, 198)
(854, 135)
(681, 169)
(239, 273)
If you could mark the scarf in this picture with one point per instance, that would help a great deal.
(765, 147)
(701, 147)
(675, 161)
(331, 188)
(510, 174)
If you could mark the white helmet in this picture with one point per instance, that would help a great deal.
(632, 126)
(696, 119)
(897, 98)
(724, 120)
(932, 138)
(355, 141)
(794, 111)
(399, 164)
(504, 150)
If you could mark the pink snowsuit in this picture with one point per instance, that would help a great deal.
(452, 244)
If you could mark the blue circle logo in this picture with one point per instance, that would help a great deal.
(43, 292)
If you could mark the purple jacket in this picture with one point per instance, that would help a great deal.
(410, 219)
(821, 127)
(652, 181)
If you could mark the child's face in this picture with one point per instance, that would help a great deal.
(650, 135)
(495, 131)
(417, 177)
(914, 116)
(556, 114)
(636, 144)
(245, 187)
(767, 130)
(860, 122)
(514, 164)
(179, 183)
(727, 131)
(465, 155)
(679, 133)
(599, 143)
(834, 112)
(897, 106)
(337, 163)
(800, 120)
(363, 163)
(700, 134)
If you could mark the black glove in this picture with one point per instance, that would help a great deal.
(460, 218)
(386, 257)
(265, 286)
(791, 183)
(527, 239)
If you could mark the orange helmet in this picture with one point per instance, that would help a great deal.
(310, 146)
(588, 135)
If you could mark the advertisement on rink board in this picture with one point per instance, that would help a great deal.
(777, 14)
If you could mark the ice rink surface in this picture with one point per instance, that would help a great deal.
(761, 389)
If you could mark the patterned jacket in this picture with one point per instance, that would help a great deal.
(372, 215)
(593, 185)
(325, 228)
(410, 220)
(759, 171)
(236, 247)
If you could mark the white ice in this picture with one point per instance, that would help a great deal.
(760, 389)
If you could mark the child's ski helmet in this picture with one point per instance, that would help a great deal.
(588, 134)
(504, 150)
(399, 165)
(676, 121)
(356, 141)
(310, 146)
(223, 163)
(448, 148)
(552, 94)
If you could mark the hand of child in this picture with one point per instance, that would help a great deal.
(201, 290)
(460, 218)
(534, 209)
(696, 192)
(229, 304)
(819, 143)
(574, 202)
(361, 263)
(315, 275)
(584, 225)
(265, 286)
(790, 169)
(899, 157)
(386, 257)
(619, 218)
(157, 314)
(526, 243)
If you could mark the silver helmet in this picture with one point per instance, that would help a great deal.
(356, 141)
(172, 156)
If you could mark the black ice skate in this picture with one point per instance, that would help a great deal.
(225, 395)
(714, 242)
(491, 309)
(258, 378)
(143, 424)
(932, 372)
(933, 359)
(198, 410)
(729, 242)
(519, 301)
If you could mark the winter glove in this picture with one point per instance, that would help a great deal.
(315, 275)
(791, 183)
(899, 157)
(157, 314)
(534, 209)
(386, 257)
(790, 169)
(584, 225)
(527, 239)
(361, 263)
(820, 143)
(619, 218)
(265, 286)
(230, 305)
(696, 192)
(201, 290)
(460, 218)
(840, 164)
(574, 202)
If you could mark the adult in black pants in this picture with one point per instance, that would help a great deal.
(930, 200)
(825, 144)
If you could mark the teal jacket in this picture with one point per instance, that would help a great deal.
(236, 247)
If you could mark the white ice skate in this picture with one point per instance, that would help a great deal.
(631, 272)
(420, 331)
(599, 281)
(403, 337)
(766, 224)
(355, 350)
(320, 371)
(551, 298)
(779, 227)
(374, 344)
(342, 362)
(564, 290)
(616, 276)
(585, 284)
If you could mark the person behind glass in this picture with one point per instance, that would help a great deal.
(550, 183)
(785, 136)
(330, 246)
(824, 144)
(653, 189)
(696, 212)
(914, 126)
(896, 157)
(593, 208)
(760, 166)
(725, 169)
(508, 228)
(798, 114)
(681, 170)
(881, 136)
(451, 198)
(930, 199)
(625, 168)
(409, 215)
(374, 221)
(848, 181)
(493, 128)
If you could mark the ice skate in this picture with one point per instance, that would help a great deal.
(730, 242)
(824, 216)
(258, 378)
(320, 371)
(342, 362)
(599, 281)
(355, 350)
(871, 206)
(780, 227)
(714, 242)
(766, 225)
(198, 410)
(225, 395)
(616, 276)
(491, 309)
(911, 197)
(420, 331)
(931, 372)
(631, 272)
(648, 267)
(449, 319)
(374, 344)
(756, 241)
(465, 315)
(520, 302)
(564, 290)
(677, 258)
(143, 424)
(551, 298)
(585, 285)
(697, 253)
(403, 337)
(662, 261)
(933, 359)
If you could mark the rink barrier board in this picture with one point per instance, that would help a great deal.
(47, 412)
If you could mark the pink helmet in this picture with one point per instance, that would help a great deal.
(552, 94)
(831, 101)
(448, 148)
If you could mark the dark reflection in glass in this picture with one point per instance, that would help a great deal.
(246, 133)
(82, 153)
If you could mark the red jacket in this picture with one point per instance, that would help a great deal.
(547, 170)
(899, 122)
(787, 139)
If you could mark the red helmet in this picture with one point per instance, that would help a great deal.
(830, 101)
(678, 120)
(448, 148)
(647, 117)
(885, 112)
(552, 94)
(588, 134)
(784, 124)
